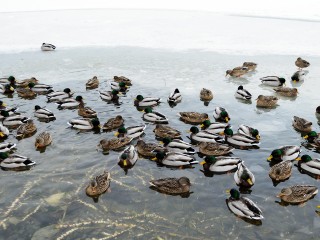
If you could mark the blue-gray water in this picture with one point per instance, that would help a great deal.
(49, 201)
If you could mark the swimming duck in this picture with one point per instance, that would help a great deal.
(140, 101)
(92, 83)
(132, 132)
(249, 131)
(40, 88)
(70, 103)
(297, 193)
(13, 121)
(286, 91)
(298, 76)
(243, 207)
(43, 113)
(301, 63)
(11, 80)
(163, 131)
(114, 143)
(250, 65)
(221, 114)
(206, 95)
(148, 150)
(285, 153)
(237, 71)
(119, 86)
(99, 185)
(59, 95)
(281, 171)
(4, 132)
(43, 139)
(273, 81)
(301, 124)
(8, 112)
(313, 138)
(242, 93)
(266, 101)
(220, 164)
(15, 162)
(174, 159)
(86, 112)
(113, 123)
(47, 47)
(128, 157)
(203, 136)
(85, 124)
(24, 83)
(243, 176)
(109, 96)
(26, 93)
(7, 147)
(153, 116)
(26, 129)
(214, 149)
(127, 81)
(173, 186)
(6, 89)
(193, 117)
(175, 97)
(215, 127)
(310, 166)
(239, 140)
(177, 145)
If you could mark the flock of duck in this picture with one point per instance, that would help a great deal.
(213, 140)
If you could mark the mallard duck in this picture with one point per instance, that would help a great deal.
(298, 76)
(4, 132)
(250, 65)
(132, 132)
(140, 101)
(243, 207)
(114, 143)
(237, 71)
(206, 95)
(113, 123)
(242, 93)
(220, 164)
(310, 166)
(215, 127)
(301, 63)
(273, 81)
(13, 121)
(313, 138)
(127, 81)
(174, 159)
(119, 86)
(285, 153)
(70, 103)
(249, 131)
(11, 80)
(7, 147)
(85, 124)
(175, 97)
(43, 113)
(163, 131)
(6, 89)
(243, 176)
(8, 112)
(177, 145)
(40, 88)
(286, 91)
(281, 171)
(99, 185)
(128, 157)
(297, 193)
(153, 116)
(26, 129)
(109, 96)
(203, 136)
(86, 112)
(59, 95)
(239, 140)
(15, 162)
(193, 117)
(221, 114)
(148, 149)
(92, 83)
(215, 149)
(43, 139)
(26, 93)
(24, 83)
(301, 124)
(266, 101)
(47, 47)
(174, 186)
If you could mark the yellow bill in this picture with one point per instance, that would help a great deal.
(203, 162)
(270, 157)
(249, 181)
(306, 136)
(125, 163)
(116, 134)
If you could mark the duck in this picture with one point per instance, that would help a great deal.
(249, 131)
(221, 114)
(148, 150)
(163, 131)
(154, 117)
(310, 166)
(85, 124)
(193, 117)
(128, 157)
(119, 79)
(6, 89)
(301, 63)
(26, 129)
(285, 153)
(177, 145)
(86, 112)
(109, 96)
(175, 97)
(243, 207)
(214, 127)
(281, 171)
(239, 140)
(132, 132)
(206, 95)
(301, 124)
(43, 140)
(11, 80)
(40, 88)
(297, 193)
(43, 113)
(266, 101)
(92, 83)
(47, 47)
(113, 123)
(242, 93)
(7, 147)
(273, 81)
(140, 101)
(119, 86)
(99, 185)
(298, 76)
(8, 112)
(70, 103)
(214, 149)
(172, 186)
(26, 93)
(13, 121)
(313, 138)
(15, 162)
(114, 143)
(59, 95)
(237, 71)
(25, 82)
(286, 91)
(243, 176)
(4, 132)
(220, 164)
(250, 65)
(203, 136)
(174, 159)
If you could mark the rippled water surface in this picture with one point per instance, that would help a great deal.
(49, 201)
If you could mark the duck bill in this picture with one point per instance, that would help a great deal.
(221, 133)
(125, 163)
(116, 134)
(306, 136)
(227, 119)
(250, 182)
(1, 134)
(154, 159)
(298, 158)
(203, 162)
(202, 125)
(269, 158)
(258, 137)
(161, 142)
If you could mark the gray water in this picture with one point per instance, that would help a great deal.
(49, 201)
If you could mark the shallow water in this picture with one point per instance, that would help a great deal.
(49, 201)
